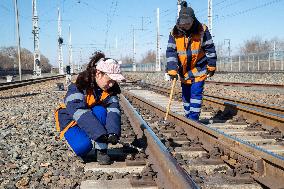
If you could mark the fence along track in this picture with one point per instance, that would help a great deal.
(266, 161)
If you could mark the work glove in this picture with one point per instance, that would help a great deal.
(172, 77)
(113, 139)
(102, 139)
(167, 77)
(210, 73)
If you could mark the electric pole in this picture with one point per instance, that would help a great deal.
(70, 52)
(229, 52)
(18, 36)
(35, 31)
(158, 60)
(274, 54)
(229, 46)
(210, 14)
(60, 43)
(179, 7)
(81, 61)
(134, 53)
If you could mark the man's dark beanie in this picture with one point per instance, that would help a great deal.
(186, 15)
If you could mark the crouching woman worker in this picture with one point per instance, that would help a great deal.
(91, 110)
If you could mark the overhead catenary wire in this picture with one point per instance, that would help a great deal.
(237, 13)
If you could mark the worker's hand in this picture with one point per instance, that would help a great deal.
(167, 77)
(113, 139)
(172, 77)
(102, 139)
(210, 73)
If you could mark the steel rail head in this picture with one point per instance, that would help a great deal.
(16, 84)
(266, 164)
(246, 84)
(171, 174)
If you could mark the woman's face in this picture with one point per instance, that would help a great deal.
(185, 27)
(104, 81)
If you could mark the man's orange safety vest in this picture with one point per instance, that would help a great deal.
(197, 53)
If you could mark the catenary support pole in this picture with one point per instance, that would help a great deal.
(239, 63)
(133, 58)
(269, 62)
(178, 7)
(35, 31)
(210, 15)
(158, 59)
(60, 43)
(70, 55)
(18, 38)
(258, 63)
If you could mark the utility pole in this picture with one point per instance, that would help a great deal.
(229, 52)
(274, 54)
(133, 57)
(70, 52)
(158, 57)
(210, 14)
(81, 61)
(69, 67)
(35, 31)
(229, 46)
(18, 36)
(142, 23)
(179, 7)
(60, 42)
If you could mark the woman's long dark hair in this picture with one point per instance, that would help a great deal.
(86, 79)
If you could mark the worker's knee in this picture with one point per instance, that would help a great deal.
(100, 112)
(78, 140)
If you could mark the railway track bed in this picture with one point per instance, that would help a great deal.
(235, 128)
(224, 151)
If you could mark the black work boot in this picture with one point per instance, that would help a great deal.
(102, 157)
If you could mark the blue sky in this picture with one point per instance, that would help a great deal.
(108, 25)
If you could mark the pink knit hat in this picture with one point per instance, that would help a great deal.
(111, 68)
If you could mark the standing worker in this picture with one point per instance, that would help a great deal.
(91, 109)
(191, 55)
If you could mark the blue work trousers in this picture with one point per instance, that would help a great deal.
(79, 141)
(192, 99)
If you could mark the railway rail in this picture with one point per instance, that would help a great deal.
(134, 165)
(141, 154)
(221, 152)
(238, 142)
(15, 84)
(265, 85)
(266, 114)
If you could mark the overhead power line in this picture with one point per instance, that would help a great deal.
(214, 5)
(247, 10)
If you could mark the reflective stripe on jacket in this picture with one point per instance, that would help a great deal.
(76, 111)
(191, 56)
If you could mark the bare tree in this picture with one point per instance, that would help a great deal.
(46, 66)
(255, 45)
(9, 59)
(126, 60)
(149, 57)
(6, 62)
